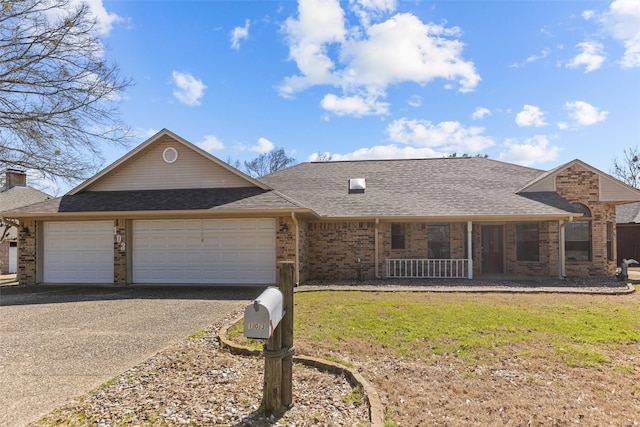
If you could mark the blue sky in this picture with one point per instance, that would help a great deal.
(537, 83)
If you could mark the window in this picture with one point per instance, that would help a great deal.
(397, 236)
(527, 241)
(609, 241)
(438, 241)
(577, 237)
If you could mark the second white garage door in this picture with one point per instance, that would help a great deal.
(209, 251)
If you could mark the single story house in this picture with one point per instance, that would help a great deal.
(628, 231)
(13, 194)
(169, 212)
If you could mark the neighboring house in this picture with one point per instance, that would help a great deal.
(628, 231)
(14, 194)
(168, 212)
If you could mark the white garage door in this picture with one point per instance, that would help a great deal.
(78, 252)
(209, 251)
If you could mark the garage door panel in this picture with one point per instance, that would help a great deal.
(204, 251)
(78, 252)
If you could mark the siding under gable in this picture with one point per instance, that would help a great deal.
(148, 171)
(613, 191)
(545, 184)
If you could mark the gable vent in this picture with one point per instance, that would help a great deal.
(357, 185)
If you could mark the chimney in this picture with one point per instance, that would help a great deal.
(15, 177)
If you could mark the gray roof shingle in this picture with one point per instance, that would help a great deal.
(18, 196)
(445, 187)
(250, 198)
(628, 213)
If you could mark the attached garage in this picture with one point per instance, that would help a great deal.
(78, 252)
(204, 251)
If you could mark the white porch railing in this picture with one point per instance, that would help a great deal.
(427, 268)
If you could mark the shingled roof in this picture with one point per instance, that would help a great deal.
(443, 188)
(249, 198)
(629, 213)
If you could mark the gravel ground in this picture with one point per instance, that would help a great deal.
(196, 382)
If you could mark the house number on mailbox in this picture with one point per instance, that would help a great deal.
(256, 325)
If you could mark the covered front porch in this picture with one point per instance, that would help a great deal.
(468, 250)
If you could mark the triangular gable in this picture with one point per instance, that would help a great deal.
(151, 167)
(611, 189)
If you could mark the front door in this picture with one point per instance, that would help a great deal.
(492, 249)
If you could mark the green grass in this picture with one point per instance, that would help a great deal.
(356, 396)
(576, 329)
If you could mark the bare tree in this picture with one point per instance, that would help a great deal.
(628, 169)
(267, 163)
(58, 93)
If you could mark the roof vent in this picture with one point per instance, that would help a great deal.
(356, 185)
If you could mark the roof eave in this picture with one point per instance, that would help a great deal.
(157, 214)
(458, 218)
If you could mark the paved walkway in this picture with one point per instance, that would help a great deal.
(57, 342)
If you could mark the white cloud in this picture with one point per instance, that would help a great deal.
(319, 24)
(588, 14)
(189, 90)
(592, 56)
(543, 54)
(371, 57)
(105, 20)
(404, 49)
(480, 113)
(391, 151)
(415, 101)
(366, 10)
(264, 146)
(533, 151)
(584, 113)
(145, 133)
(622, 22)
(238, 34)
(210, 143)
(353, 105)
(530, 116)
(446, 136)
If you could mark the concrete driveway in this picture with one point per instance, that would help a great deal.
(57, 343)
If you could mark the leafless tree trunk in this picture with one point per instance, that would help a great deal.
(628, 169)
(58, 93)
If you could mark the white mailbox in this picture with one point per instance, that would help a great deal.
(263, 315)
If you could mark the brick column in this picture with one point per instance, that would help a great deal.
(27, 253)
(120, 247)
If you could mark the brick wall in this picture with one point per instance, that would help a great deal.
(120, 248)
(580, 185)
(4, 255)
(547, 264)
(341, 250)
(27, 253)
(303, 240)
(286, 244)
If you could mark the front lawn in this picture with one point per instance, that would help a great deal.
(485, 359)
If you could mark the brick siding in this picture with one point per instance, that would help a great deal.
(580, 185)
(120, 248)
(26, 274)
(341, 250)
(4, 256)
